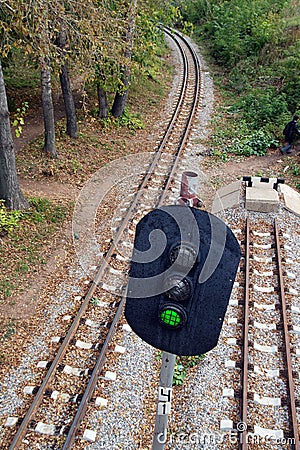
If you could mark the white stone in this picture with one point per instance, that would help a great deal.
(228, 392)
(231, 341)
(226, 425)
(296, 329)
(264, 306)
(292, 291)
(262, 260)
(268, 273)
(11, 421)
(108, 287)
(233, 302)
(229, 364)
(83, 345)
(263, 432)
(232, 321)
(126, 327)
(264, 326)
(55, 395)
(257, 233)
(89, 435)
(67, 317)
(28, 389)
(91, 324)
(266, 289)
(42, 364)
(101, 402)
(72, 370)
(119, 349)
(266, 348)
(267, 401)
(56, 339)
(44, 428)
(295, 309)
(112, 376)
(263, 246)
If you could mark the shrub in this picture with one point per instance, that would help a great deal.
(256, 144)
(261, 106)
(8, 219)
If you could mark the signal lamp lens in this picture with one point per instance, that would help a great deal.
(183, 256)
(177, 288)
(172, 316)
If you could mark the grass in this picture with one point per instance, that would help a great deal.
(24, 247)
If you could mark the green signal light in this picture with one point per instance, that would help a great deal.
(172, 316)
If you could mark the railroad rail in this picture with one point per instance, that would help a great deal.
(266, 316)
(65, 391)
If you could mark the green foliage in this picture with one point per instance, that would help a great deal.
(256, 51)
(256, 144)
(10, 330)
(18, 121)
(8, 219)
(182, 366)
(130, 120)
(41, 211)
(261, 106)
(295, 169)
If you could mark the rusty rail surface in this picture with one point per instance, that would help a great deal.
(287, 343)
(243, 441)
(245, 360)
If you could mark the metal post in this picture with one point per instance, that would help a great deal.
(164, 400)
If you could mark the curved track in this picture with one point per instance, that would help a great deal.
(61, 399)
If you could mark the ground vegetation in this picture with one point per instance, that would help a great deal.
(255, 49)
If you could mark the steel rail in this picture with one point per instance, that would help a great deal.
(287, 343)
(93, 379)
(245, 359)
(103, 267)
(94, 376)
(191, 115)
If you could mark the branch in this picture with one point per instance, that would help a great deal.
(7, 6)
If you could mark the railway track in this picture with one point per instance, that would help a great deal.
(267, 334)
(68, 382)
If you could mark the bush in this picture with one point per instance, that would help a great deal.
(261, 106)
(8, 219)
(256, 144)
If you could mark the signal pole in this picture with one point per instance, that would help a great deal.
(189, 184)
(164, 400)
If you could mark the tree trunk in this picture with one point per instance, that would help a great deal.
(70, 109)
(9, 185)
(69, 102)
(121, 96)
(47, 104)
(102, 101)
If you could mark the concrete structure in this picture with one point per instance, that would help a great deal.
(262, 200)
(263, 195)
(227, 197)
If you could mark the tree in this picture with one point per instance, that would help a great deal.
(66, 88)
(122, 93)
(9, 185)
